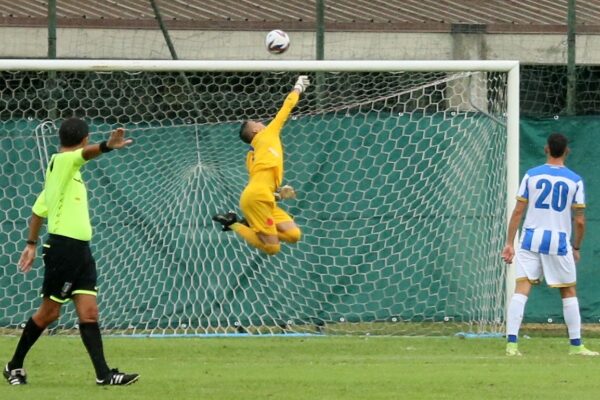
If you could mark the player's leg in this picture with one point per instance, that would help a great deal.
(287, 230)
(48, 312)
(89, 330)
(258, 235)
(528, 271)
(266, 243)
(514, 315)
(56, 276)
(258, 204)
(572, 318)
(560, 272)
(84, 296)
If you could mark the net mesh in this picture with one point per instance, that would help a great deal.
(401, 181)
(544, 90)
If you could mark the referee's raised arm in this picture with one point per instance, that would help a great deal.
(116, 141)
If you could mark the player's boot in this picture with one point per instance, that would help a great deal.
(512, 349)
(115, 377)
(581, 351)
(16, 376)
(226, 220)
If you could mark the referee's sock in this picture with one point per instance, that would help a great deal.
(30, 335)
(90, 335)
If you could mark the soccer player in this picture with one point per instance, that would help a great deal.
(69, 268)
(267, 224)
(552, 196)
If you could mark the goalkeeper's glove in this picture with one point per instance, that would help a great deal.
(302, 83)
(285, 192)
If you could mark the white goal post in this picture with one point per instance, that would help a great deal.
(397, 124)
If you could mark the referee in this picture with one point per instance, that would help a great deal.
(69, 268)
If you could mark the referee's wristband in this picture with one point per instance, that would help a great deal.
(34, 242)
(104, 147)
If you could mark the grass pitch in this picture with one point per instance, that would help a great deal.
(310, 368)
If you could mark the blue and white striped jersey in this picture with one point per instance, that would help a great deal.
(551, 192)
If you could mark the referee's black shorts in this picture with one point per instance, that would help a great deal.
(69, 269)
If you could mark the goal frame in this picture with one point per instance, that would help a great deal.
(511, 67)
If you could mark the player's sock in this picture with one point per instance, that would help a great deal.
(514, 316)
(290, 236)
(90, 335)
(30, 335)
(572, 319)
(252, 238)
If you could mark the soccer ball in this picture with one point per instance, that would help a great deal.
(277, 41)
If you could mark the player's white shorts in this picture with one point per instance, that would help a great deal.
(558, 271)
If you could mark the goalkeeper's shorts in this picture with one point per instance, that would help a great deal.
(260, 209)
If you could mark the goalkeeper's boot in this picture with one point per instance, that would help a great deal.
(115, 377)
(16, 376)
(512, 349)
(581, 351)
(226, 220)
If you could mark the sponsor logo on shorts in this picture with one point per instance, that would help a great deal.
(65, 289)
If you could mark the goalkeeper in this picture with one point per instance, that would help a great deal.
(267, 223)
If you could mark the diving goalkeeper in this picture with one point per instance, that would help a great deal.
(267, 223)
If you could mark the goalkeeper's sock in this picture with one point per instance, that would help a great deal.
(90, 335)
(252, 238)
(290, 236)
(30, 335)
(514, 316)
(572, 319)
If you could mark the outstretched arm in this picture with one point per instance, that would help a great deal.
(290, 102)
(508, 252)
(116, 141)
(301, 84)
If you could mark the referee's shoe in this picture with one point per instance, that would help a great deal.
(16, 376)
(115, 377)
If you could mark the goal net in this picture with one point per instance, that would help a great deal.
(402, 195)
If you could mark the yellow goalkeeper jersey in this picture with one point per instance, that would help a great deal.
(265, 158)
